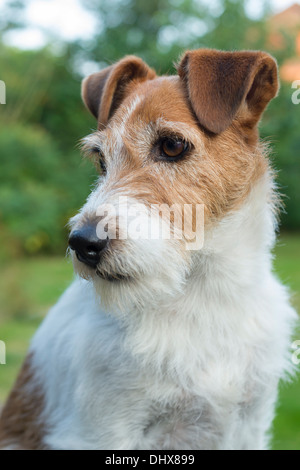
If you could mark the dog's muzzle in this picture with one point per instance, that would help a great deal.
(87, 246)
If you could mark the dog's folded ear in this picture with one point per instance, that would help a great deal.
(104, 91)
(222, 86)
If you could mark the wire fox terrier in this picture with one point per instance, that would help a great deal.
(173, 342)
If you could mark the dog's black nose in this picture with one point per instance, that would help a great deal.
(87, 246)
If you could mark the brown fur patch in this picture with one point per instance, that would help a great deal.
(21, 427)
(219, 83)
(109, 87)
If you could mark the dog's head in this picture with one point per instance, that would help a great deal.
(172, 152)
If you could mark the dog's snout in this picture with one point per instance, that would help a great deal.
(87, 246)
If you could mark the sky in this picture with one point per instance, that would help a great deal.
(69, 20)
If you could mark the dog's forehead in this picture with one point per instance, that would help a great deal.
(163, 98)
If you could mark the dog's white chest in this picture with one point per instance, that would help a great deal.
(213, 391)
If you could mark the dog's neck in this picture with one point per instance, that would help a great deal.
(228, 273)
(237, 250)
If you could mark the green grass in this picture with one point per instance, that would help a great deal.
(287, 264)
(287, 422)
(28, 287)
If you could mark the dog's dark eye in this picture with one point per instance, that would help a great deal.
(102, 165)
(173, 149)
(100, 160)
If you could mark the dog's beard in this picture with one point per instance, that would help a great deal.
(137, 273)
(134, 271)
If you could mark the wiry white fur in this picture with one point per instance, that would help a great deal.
(192, 367)
(159, 267)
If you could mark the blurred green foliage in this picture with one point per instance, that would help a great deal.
(281, 126)
(42, 179)
(159, 31)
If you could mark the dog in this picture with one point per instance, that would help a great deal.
(156, 345)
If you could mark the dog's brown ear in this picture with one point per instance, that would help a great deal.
(225, 85)
(103, 92)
